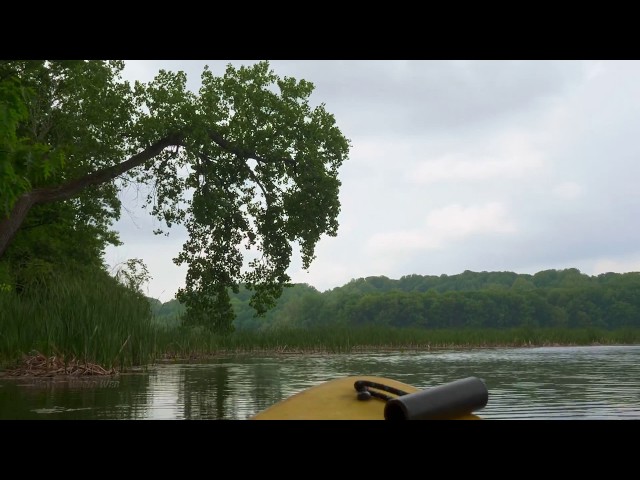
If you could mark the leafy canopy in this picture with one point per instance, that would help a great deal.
(246, 164)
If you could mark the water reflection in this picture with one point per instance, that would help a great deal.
(75, 398)
(533, 383)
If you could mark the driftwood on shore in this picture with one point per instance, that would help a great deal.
(38, 365)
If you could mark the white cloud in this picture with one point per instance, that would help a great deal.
(454, 167)
(510, 154)
(568, 190)
(454, 221)
(595, 69)
(444, 225)
(402, 241)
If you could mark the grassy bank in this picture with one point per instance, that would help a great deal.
(77, 319)
(97, 321)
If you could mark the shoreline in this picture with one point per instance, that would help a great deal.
(39, 366)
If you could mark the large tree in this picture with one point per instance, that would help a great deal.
(247, 165)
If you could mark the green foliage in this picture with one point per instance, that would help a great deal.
(86, 316)
(6, 281)
(56, 139)
(167, 315)
(610, 302)
(288, 194)
(133, 274)
(24, 161)
(247, 165)
(55, 237)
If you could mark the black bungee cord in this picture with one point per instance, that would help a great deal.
(363, 387)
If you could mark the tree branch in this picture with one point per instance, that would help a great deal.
(10, 225)
(245, 153)
(205, 159)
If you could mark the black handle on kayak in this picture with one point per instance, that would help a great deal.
(458, 398)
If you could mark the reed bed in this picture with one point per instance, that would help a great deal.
(196, 344)
(80, 325)
(86, 320)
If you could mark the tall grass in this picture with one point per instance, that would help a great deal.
(85, 318)
(93, 319)
(184, 343)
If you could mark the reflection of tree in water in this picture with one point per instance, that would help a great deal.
(267, 386)
(120, 397)
(229, 389)
(204, 392)
(134, 398)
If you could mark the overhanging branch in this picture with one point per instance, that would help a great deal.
(10, 224)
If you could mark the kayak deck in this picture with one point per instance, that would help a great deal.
(337, 400)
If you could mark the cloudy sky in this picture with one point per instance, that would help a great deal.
(517, 166)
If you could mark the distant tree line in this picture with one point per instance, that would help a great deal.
(550, 298)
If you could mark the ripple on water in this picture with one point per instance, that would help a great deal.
(529, 384)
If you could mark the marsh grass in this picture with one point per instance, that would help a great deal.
(78, 318)
(93, 319)
(197, 343)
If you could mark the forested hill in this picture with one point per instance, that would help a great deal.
(550, 298)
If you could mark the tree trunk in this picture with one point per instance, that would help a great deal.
(10, 225)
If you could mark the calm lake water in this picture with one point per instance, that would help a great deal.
(599, 382)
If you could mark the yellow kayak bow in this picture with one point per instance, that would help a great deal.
(377, 398)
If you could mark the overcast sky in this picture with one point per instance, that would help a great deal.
(516, 166)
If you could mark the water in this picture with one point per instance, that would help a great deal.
(599, 382)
